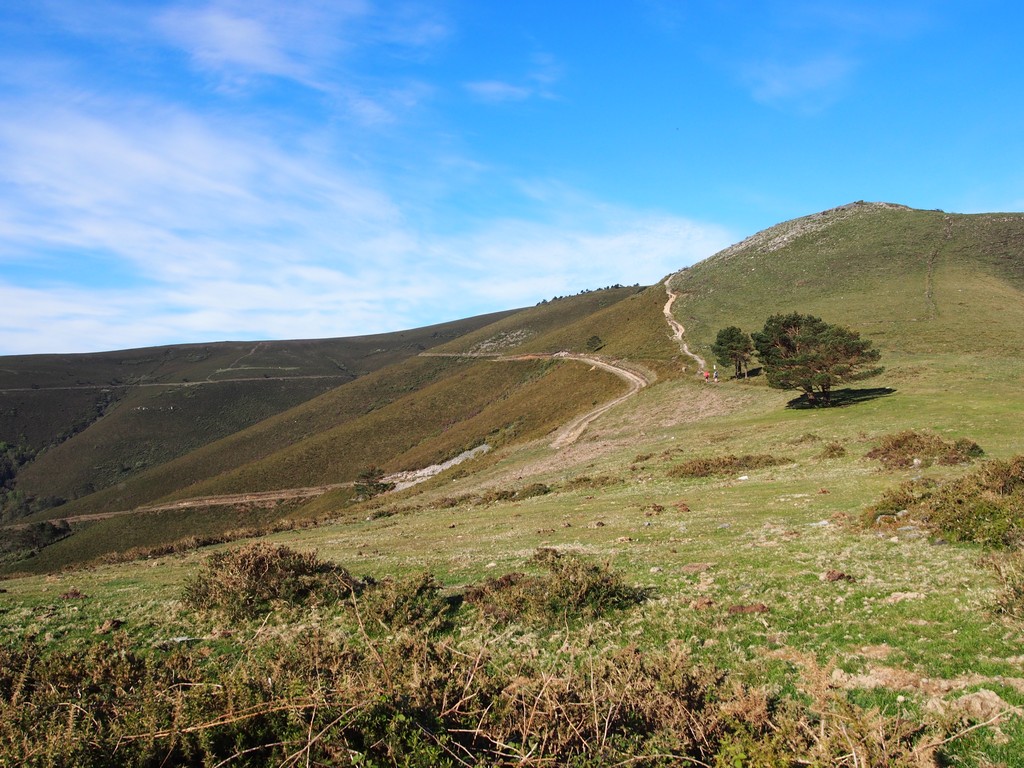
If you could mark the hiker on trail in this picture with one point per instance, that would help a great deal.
(716, 374)
(707, 377)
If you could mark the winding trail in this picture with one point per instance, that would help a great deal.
(566, 435)
(572, 431)
(678, 331)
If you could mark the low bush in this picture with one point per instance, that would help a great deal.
(598, 481)
(903, 450)
(1010, 570)
(412, 602)
(727, 465)
(245, 582)
(985, 506)
(571, 587)
(418, 701)
(833, 450)
(494, 495)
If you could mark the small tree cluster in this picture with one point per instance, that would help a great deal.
(733, 347)
(800, 352)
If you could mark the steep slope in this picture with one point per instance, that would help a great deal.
(315, 417)
(96, 420)
(913, 280)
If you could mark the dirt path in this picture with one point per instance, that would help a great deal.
(678, 331)
(401, 480)
(572, 431)
(565, 436)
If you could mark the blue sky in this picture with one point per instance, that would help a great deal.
(201, 170)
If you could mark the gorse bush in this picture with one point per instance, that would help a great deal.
(985, 506)
(725, 465)
(248, 581)
(412, 602)
(571, 587)
(418, 701)
(902, 449)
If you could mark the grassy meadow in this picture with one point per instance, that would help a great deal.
(719, 596)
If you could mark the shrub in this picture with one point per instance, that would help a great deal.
(572, 586)
(902, 449)
(727, 465)
(248, 581)
(833, 450)
(421, 701)
(899, 499)
(1010, 570)
(413, 602)
(985, 506)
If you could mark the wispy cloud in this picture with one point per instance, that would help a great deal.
(803, 56)
(809, 85)
(543, 75)
(135, 217)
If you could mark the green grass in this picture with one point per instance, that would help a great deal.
(914, 627)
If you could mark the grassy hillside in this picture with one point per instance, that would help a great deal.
(722, 599)
(925, 280)
(624, 323)
(93, 421)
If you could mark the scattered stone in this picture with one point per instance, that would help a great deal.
(824, 490)
(743, 477)
(753, 608)
(624, 539)
(73, 594)
(834, 575)
(820, 524)
(682, 506)
(109, 626)
(702, 604)
(567, 525)
(599, 524)
(724, 525)
(491, 565)
(655, 569)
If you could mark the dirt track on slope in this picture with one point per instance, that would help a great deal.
(572, 431)
(678, 331)
(566, 435)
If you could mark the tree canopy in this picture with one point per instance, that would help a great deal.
(806, 353)
(733, 347)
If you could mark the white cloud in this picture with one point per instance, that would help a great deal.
(810, 84)
(543, 75)
(260, 38)
(498, 91)
(130, 221)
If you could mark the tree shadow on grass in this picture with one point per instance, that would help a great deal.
(840, 398)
